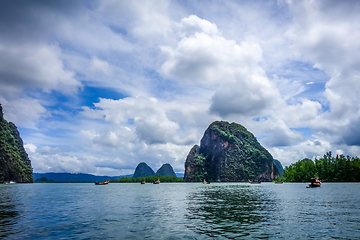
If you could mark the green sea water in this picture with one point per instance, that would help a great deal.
(180, 211)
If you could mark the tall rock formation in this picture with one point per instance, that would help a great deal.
(15, 164)
(143, 170)
(228, 153)
(278, 168)
(166, 170)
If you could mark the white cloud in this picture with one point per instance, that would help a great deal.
(281, 135)
(148, 117)
(24, 112)
(35, 66)
(30, 147)
(300, 115)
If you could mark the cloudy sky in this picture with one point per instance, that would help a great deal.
(100, 86)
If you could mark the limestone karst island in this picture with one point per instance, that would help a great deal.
(228, 152)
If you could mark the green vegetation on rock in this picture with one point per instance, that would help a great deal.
(44, 180)
(15, 164)
(328, 169)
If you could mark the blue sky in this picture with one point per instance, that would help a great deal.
(100, 86)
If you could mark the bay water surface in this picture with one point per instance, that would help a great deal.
(179, 211)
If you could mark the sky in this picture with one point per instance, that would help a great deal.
(99, 86)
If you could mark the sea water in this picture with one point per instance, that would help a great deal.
(179, 211)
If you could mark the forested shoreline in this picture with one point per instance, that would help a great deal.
(149, 179)
(327, 169)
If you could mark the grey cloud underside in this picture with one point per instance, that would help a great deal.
(35, 20)
(235, 101)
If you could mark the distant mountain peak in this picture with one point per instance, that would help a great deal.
(143, 170)
(166, 170)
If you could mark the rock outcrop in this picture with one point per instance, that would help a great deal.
(143, 170)
(228, 153)
(166, 170)
(15, 164)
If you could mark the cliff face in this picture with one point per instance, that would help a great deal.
(143, 170)
(15, 164)
(228, 153)
(278, 168)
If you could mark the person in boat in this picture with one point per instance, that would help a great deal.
(314, 183)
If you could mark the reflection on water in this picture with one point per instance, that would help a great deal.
(230, 211)
(8, 213)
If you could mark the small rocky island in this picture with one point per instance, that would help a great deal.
(228, 152)
(143, 170)
(15, 165)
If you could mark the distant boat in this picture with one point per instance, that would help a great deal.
(314, 183)
(205, 182)
(102, 183)
(143, 182)
(156, 182)
(254, 182)
(11, 182)
(279, 182)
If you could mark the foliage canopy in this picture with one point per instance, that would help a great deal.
(328, 169)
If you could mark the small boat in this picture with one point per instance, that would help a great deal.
(156, 182)
(205, 182)
(102, 183)
(11, 182)
(314, 183)
(143, 182)
(254, 182)
(279, 182)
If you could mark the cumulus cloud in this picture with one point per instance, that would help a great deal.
(30, 147)
(148, 117)
(24, 112)
(35, 66)
(203, 56)
(280, 134)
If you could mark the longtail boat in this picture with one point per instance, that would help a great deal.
(102, 183)
(254, 182)
(205, 182)
(156, 182)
